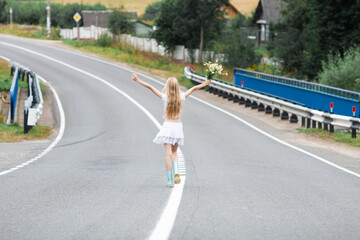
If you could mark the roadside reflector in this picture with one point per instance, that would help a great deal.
(353, 109)
(331, 105)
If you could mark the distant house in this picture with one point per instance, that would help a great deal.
(267, 11)
(244, 7)
(100, 18)
(96, 18)
(142, 29)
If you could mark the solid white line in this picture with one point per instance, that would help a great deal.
(5, 58)
(225, 112)
(53, 144)
(236, 117)
(167, 219)
(277, 139)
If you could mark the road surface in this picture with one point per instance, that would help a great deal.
(105, 179)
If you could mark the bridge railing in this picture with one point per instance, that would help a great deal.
(286, 109)
(312, 95)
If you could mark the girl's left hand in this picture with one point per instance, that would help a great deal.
(207, 82)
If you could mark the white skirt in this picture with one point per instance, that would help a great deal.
(171, 133)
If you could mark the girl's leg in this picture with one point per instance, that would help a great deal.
(168, 165)
(175, 163)
(168, 156)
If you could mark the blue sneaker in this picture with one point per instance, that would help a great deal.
(170, 183)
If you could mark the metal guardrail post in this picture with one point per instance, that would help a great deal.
(34, 103)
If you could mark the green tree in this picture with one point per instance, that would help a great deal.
(192, 23)
(119, 23)
(151, 11)
(312, 29)
(35, 12)
(3, 14)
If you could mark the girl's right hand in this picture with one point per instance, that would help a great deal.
(207, 82)
(135, 77)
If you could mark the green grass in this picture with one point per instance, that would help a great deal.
(6, 78)
(150, 62)
(30, 33)
(337, 136)
(15, 133)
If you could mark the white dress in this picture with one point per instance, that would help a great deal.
(170, 132)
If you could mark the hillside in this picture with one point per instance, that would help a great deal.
(130, 5)
(243, 6)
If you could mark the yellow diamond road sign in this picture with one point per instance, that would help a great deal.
(77, 17)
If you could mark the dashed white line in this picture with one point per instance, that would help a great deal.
(167, 219)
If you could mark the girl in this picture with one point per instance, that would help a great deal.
(171, 133)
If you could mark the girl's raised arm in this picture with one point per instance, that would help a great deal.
(197, 87)
(154, 90)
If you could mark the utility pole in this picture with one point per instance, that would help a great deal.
(11, 18)
(48, 23)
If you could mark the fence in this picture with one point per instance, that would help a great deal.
(91, 32)
(180, 53)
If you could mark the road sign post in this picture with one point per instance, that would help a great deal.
(77, 18)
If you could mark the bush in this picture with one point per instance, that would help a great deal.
(104, 40)
(119, 22)
(342, 72)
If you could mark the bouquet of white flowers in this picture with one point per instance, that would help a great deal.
(214, 68)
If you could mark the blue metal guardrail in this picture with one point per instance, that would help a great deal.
(14, 92)
(312, 95)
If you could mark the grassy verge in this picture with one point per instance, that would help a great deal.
(6, 78)
(119, 51)
(29, 32)
(150, 62)
(15, 133)
(337, 136)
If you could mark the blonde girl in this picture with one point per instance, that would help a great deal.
(171, 133)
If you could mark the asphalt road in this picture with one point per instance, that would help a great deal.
(105, 179)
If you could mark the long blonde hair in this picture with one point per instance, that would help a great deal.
(173, 107)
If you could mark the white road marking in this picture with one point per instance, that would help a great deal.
(227, 113)
(167, 219)
(277, 139)
(53, 144)
(162, 224)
